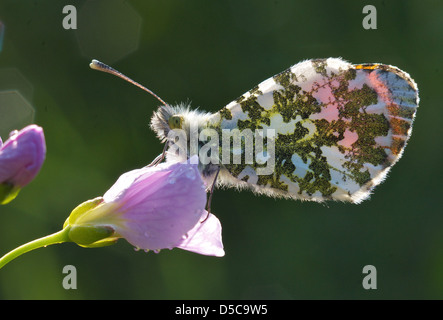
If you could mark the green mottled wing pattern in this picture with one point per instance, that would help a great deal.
(339, 128)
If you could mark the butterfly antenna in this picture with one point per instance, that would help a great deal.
(100, 66)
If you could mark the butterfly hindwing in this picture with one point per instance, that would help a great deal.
(338, 129)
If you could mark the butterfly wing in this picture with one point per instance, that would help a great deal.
(338, 129)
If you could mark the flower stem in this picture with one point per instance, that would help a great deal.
(58, 237)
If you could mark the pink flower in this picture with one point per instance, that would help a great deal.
(21, 158)
(153, 208)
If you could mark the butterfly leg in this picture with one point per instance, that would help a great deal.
(208, 206)
(159, 158)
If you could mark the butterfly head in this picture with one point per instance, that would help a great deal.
(179, 117)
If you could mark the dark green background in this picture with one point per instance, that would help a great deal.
(210, 52)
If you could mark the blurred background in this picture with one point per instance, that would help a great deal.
(209, 53)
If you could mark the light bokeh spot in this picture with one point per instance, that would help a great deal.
(16, 112)
(12, 79)
(16, 94)
(108, 30)
(2, 34)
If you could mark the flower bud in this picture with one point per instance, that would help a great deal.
(21, 158)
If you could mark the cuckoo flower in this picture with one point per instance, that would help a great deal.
(21, 158)
(153, 208)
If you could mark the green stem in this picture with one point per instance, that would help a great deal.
(58, 237)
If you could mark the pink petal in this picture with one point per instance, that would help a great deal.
(205, 238)
(161, 204)
(126, 181)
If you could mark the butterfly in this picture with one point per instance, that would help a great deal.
(324, 129)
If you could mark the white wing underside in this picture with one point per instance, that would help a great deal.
(339, 129)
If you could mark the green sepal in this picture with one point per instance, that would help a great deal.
(101, 243)
(81, 209)
(86, 235)
(8, 192)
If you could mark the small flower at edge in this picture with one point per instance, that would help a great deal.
(153, 208)
(21, 158)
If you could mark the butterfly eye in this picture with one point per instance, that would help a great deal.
(175, 122)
